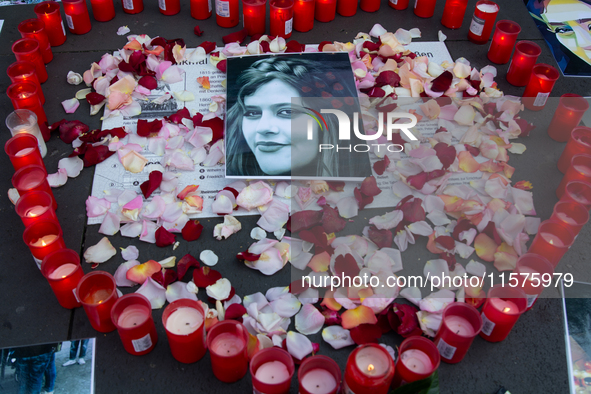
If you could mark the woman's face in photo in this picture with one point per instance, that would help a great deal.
(266, 126)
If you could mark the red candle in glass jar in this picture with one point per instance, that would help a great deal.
(347, 7)
(77, 16)
(22, 150)
(501, 311)
(133, 6)
(24, 121)
(325, 10)
(319, 374)
(42, 238)
(578, 191)
(25, 72)
(533, 271)
(303, 15)
(32, 178)
(169, 7)
(271, 370)
(132, 315)
(571, 213)
(27, 50)
(102, 10)
(200, 9)
(49, 13)
(370, 5)
(226, 13)
(254, 13)
(503, 41)
(568, 115)
(552, 241)
(398, 4)
(460, 324)
(33, 28)
(418, 359)
(281, 18)
(183, 320)
(579, 170)
(63, 272)
(578, 143)
(453, 13)
(25, 95)
(425, 8)
(370, 368)
(483, 21)
(226, 342)
(34, 206)
(525, 57)
(97, 293)
(541, 82)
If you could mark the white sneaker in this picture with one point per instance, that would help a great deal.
(68, 363)
(81, 361)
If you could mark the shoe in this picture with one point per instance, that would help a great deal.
(81, 361)
(68, 363)
(46, 392)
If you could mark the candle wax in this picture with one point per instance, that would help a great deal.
(583, 170)
(97, 296)
(460, 326)
(319, 381)
(133, 316)
(62, 271)
(31, 180)
(371, 362)
(45, 240)
(35, 211)
(566, 219)
(273, 372)
(417, 361)
(508, 307)
(184, 321)
(24, 152)
(552, 239)
(227, 345)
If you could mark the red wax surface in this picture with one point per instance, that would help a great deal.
(578, 143)
(169, 7)
(572, 214)
(425, 8)
(347, 7)
(281, 18)
(406, 375)
(537, 269)
(25, 72)
(49, 13)
(525, 57)
(22, 150)
(541, 82)
(453, 13)
(323, 362)
(77, 17)
(102, 10)
(359, 381)
(27, 49)
(568, 115)
(43, 237)
(133, 6)
(370, 5)
(325, 10)
(132, 315)
(25, 95)
(499, 318)
(186, 348)
(452, 345)
(398, 4)
(33, 28)
(578, 191)
(552, 241)
(226, 342)
(63, 286)
(579, 170)
(32, 178)
(226, 13)
(503, 41)
(97, 293)
(35, 206)
(269, 355)
(303, 15)
(483, 21)
(201, 9)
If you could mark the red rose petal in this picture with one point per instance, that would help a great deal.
(192, 230)
(403, 319)
(371, 46)
(413, 211)
(294, 46)
(445, 153)
(70, 130)
(93, 98)
(205, 276)
(491, 231)
(346, 265)
(246, 255)
(322, 44)
(153, 183)
(96, 154)
(198, 32)
(208, 46)
(388, 78)
(337, 186)
(303, 220)
(45, 131)
(265, 46)
(238, 36)
(445, 242)
(235, 312)
(164, 237)
(461, 226)
(361, 199)
(222, 65)
(366, 333)
(332, 222)
(216, 125)
(188, 189)
(165, 277)
(450, 259)
(184, 263)
(369, 187)
(417, 181)
(525, 127)
(382, 238)
(315, 235)
(442, 82)
(180, 115)
(331, 318)
(148, 129)
(148, 82)
(380, 166)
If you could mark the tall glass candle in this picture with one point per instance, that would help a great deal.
(133, 6)
(25, 95)
(49, 13)
(254, 13)
(226, 342)
(271, 370)
(325, 10)
(347, 7)
(552, 241)
(102, 10)
(34, 28)
(77, 16)
(370, 5)
(27, 49)
(183, 320)
(281, 18)
(132, 315)
(453, 13)
(319, 375)
(579, 170)
(418, 359)
(568, 115)
(460, 324)
(25, 121)
(525, 57)
(25, 72)
(578, 191)
(425, 8)
(227, 13)
(501, 310)
(32, 178)
(541, 82)
(22, 150)
(35, 206)
(533, 271)
(503, 41)
(62, 270)
(483, 21)
(303, 15)
(571, 213)
(42, 238)
(578, 143)
(201, 9)
(98, 293)
(398, 4)
(169, 7)
(370, 368)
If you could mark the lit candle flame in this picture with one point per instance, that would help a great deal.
(370, 368)
(507, 310)
(100, 301)
(43, 243)
(551, 242)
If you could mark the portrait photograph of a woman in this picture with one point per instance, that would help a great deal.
(274, 125)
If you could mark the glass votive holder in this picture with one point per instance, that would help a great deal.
(34, 28)
(541, 82)
(578, 191)
(325, 10)
(503, 41)
(184, 322)
(281, 18)
(22, 150)
(201, 9)
(398, 4)
(579, 170)
(226, 342)
(319, 374)
(132, 6)
(34, 206)
(98, 293)
(571, 213)
(49, 13)
(370, 369)
(525, 57)
(568, 115)
(271, 370)
(552, 241)
(501, 310)
(227, 13)
(453, 13)
(32, 178)
(255, 13)
(25, 71)
(25, 95)
(578, 143)
(303, 15)
(483, 21)
(533, 271)
(42, 238)
(347, 7)
(102, 10)
(62, 270)
(460, 323)
(132, 315)
(418, 359)
(425, 8)
(77, 16)
(169, 7)
(370, 5)
(25, 121)
(27, 49)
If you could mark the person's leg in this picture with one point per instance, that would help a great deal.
(31, 371)
(50, 375)
(73, 351)
(83, 347)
